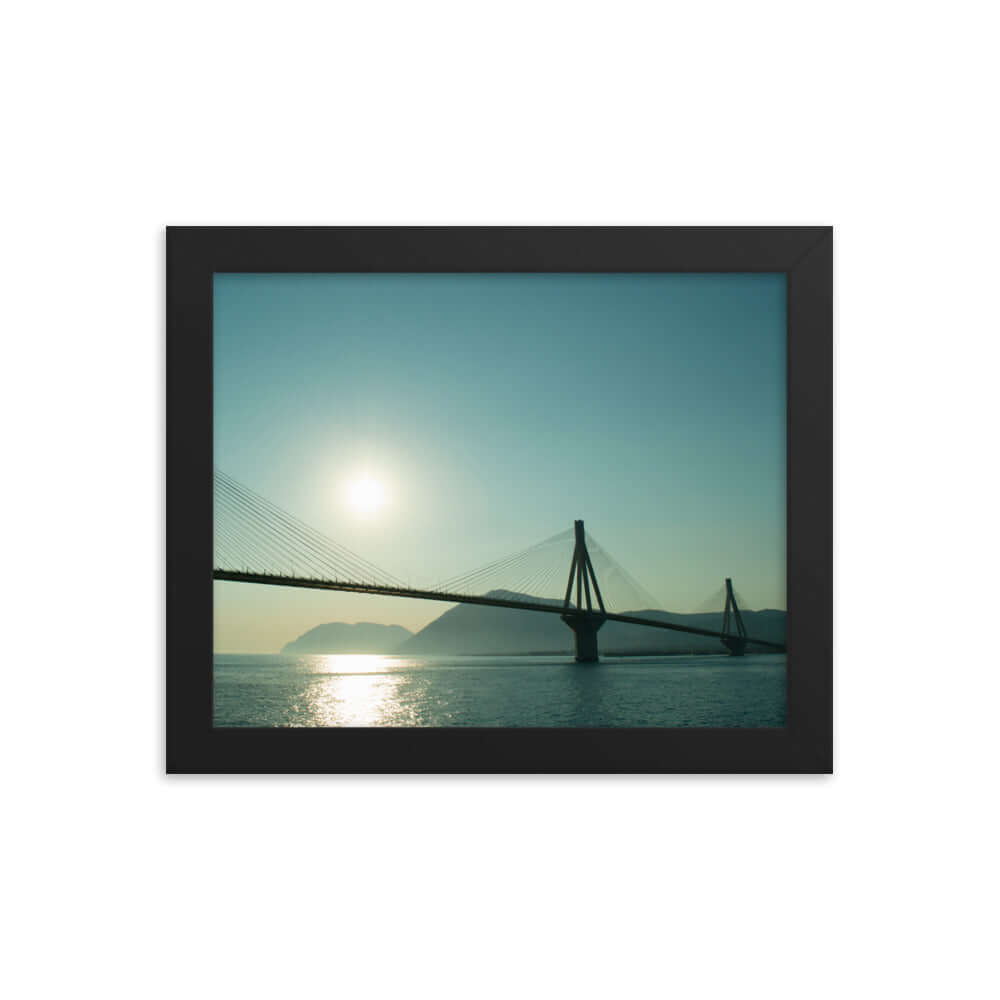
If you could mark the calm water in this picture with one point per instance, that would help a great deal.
(369, 690)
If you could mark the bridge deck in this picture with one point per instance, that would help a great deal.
(449, 598)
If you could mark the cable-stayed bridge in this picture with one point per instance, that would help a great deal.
(258, 542)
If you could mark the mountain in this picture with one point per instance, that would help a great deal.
(339, 637)
(476, 629)
(616, 637)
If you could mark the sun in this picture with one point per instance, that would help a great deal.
(366, 495)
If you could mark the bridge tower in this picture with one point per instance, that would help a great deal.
(734, 633)
(584, 622)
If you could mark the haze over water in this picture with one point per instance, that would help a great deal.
(372, 690)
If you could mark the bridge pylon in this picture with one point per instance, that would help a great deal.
(585, 622)
(734, 633)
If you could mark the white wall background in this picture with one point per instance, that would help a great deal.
(877, 117)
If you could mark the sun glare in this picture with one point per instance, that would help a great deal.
(366, 495)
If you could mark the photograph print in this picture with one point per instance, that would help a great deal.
(499, 500)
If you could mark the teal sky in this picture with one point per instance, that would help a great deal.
(495, 409)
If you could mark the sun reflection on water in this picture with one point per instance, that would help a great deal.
(353, 663)
(356, 690)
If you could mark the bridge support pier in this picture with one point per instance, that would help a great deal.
(585, 629)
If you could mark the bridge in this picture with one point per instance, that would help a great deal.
(257, 542)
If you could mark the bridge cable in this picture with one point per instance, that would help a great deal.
(263, 540)
(323, 551)
(483, 572)
(319, 553)
(507, 563)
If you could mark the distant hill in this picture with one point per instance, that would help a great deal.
(471, 629)
(339, 637)
(475, 629)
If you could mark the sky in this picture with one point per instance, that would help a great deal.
(491, 410)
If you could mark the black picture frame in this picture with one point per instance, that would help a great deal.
(195, 254)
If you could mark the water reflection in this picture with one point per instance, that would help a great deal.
(352, 663)
(355, 690)
(368, 690)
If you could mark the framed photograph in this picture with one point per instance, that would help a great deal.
(459, 499)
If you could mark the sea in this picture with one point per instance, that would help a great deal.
(372, 690)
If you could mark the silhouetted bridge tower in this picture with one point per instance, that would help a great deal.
(585, 624)
(734, 641)
(587, 621)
